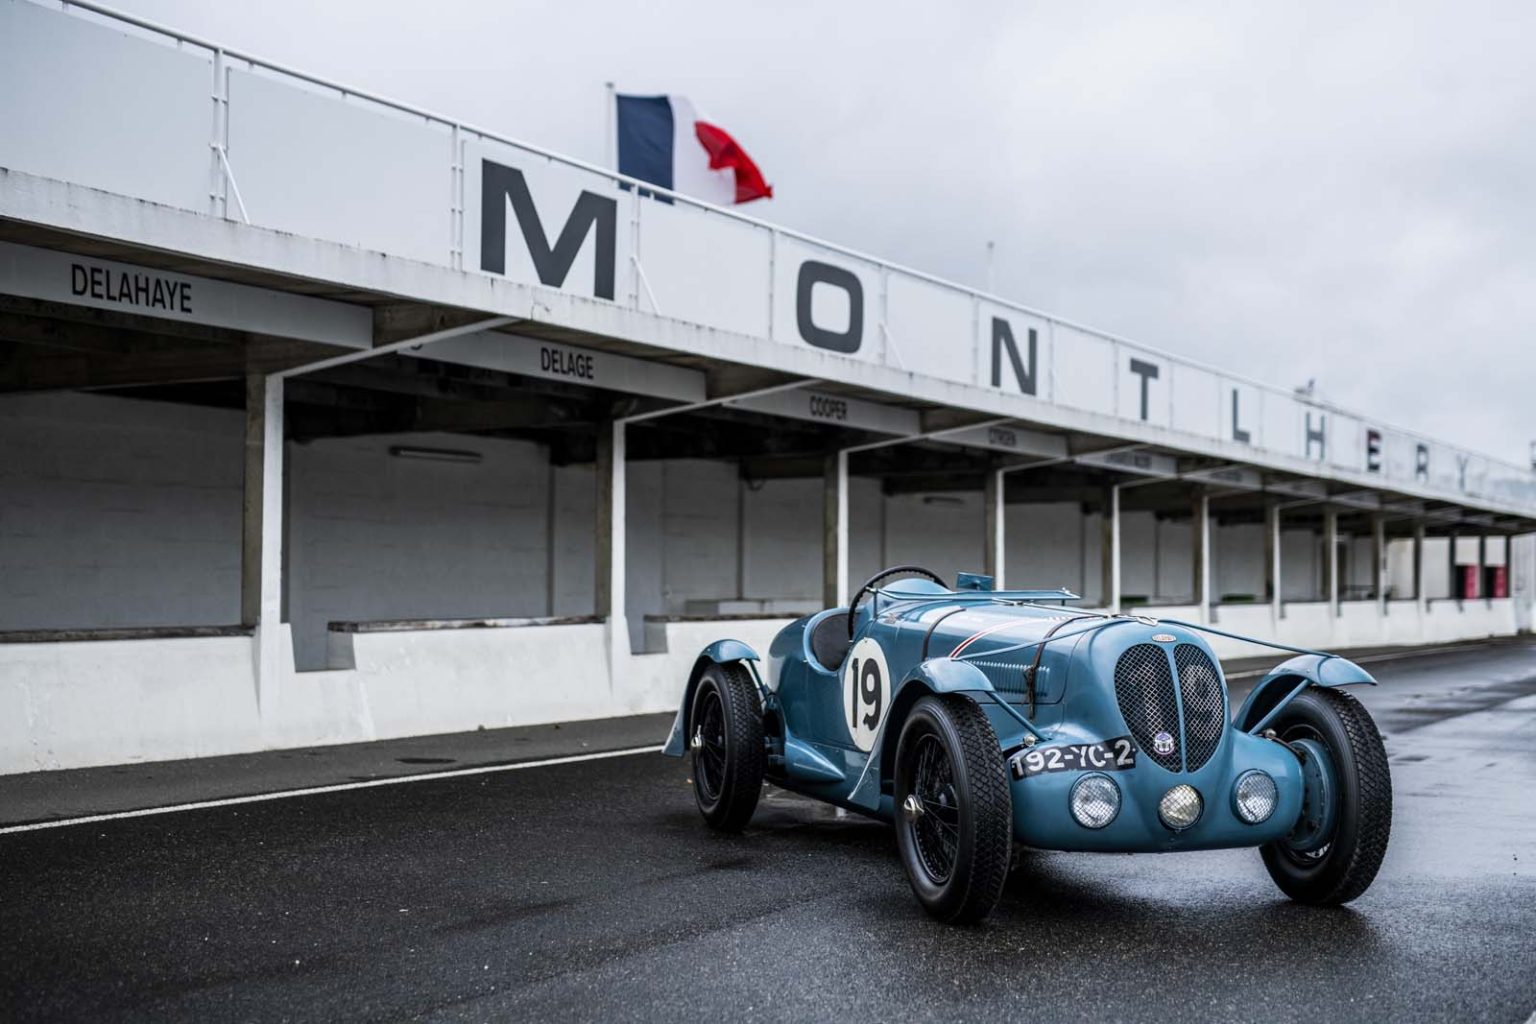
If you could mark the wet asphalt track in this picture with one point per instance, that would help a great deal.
(592, 892)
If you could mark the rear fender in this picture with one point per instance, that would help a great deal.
(721, 652)
(1286, 680)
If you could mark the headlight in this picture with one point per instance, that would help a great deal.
(1180, 807)
(1095, 800)
(1254, 797)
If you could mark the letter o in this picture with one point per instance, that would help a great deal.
(812, 273)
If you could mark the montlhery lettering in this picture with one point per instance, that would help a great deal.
(595, 216)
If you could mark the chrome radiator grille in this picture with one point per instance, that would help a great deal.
(1144, 691)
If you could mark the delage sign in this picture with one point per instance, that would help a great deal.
(544, 223)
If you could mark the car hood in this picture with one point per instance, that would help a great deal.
(965, 627)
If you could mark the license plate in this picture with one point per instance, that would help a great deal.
(1113, 755)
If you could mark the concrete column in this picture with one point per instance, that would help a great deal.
(1419, 597)
(741, 537)
(268, 547)
(1111, 548)
(1450, 558)
(250, 539)
(1272, 561)
(1331, 560)
(1200, 549)
(610, 561)
(1482, 566)
(834, 545)
(1379, 562)
(996, 539)
(551, 534)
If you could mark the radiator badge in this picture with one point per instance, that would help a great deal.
(1164, 638)
(1162, 744)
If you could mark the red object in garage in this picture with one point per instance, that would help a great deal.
(1469, 582)
(1498, 581)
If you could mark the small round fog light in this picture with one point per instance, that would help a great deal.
(1095, 800)
(1254, 797)
(1180, 807)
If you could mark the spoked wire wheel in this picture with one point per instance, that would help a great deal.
(709, 745)
(725, 733)
(936, 822)
(954, 813)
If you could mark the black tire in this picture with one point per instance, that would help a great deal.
(1345, 866)
(726, 735)
(957, 848)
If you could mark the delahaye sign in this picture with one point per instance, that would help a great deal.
(542, 222)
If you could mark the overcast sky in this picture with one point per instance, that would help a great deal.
(1293, 190)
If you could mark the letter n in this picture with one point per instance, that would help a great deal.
(592, 213)
(1002, 341)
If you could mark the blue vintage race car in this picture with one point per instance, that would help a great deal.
(976, 719)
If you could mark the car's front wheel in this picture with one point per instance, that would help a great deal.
(954, 815)
(1333, 852)
(726, 736)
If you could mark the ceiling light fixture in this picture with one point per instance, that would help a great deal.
(435, 454)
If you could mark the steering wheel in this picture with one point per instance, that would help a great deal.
(885, 574)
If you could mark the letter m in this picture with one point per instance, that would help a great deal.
(499, 184)
(1002, 340)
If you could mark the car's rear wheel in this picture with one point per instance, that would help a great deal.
(954, 815)
(726, 736)
(1336, 847)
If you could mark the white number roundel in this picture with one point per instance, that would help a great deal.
(866, 691)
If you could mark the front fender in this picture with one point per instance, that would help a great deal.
(721, 652)
(936, 675)
(1283, 682)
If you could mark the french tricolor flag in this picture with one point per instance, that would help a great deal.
(663, 140)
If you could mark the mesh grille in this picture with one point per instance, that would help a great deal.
(1144, 691)
(1204, 708)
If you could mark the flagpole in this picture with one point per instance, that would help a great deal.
(609, 133)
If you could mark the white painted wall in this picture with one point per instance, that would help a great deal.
(1522, 584)
(573, 563)
(117, 512)
(782, 539)
(942, 532)
(1400, 568)
(1139, 555)
(1239, 560)
(699, 532)
(1175, 565)
(868, 515)
(69, 705)
(1044, 546)
(372, 536)
(1437, 569)
(114, 510)
(1301, 565)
